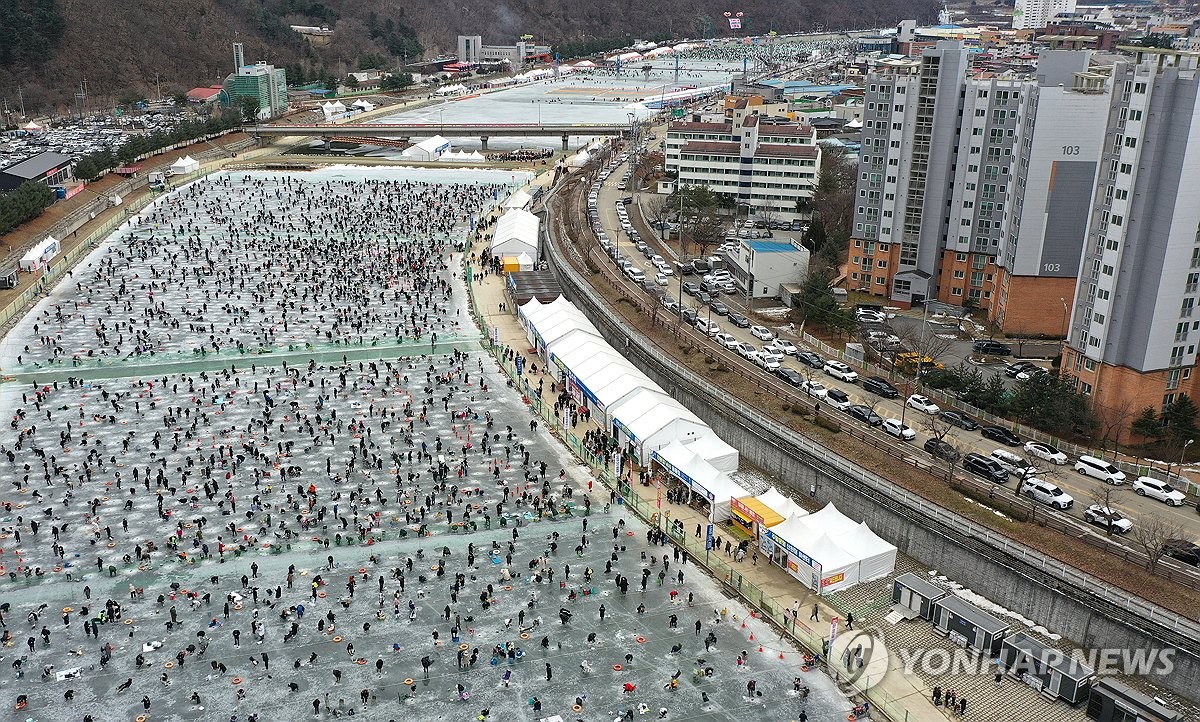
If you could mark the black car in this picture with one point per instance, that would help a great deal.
(962, 421)
(690, 288)
(689, 315)
(941, 450)
(1020, 367)
(703, 297)
(1001, 434)
(837, 398)
(880, 387)
(989, 469)
(739, 320)
(719, 308)
(865, 414)
(810, 359)
(992, 348)
(1183, 550)
(792, 376)
(626, 200)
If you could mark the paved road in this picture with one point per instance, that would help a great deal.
(1083, 489)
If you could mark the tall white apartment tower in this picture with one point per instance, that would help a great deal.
(1036, 14)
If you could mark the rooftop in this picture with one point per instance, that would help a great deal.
(717, 147)
(684, 126)
(773, 150)
(37, 166)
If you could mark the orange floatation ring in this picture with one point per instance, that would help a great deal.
(129, 621)
(617, 668)
(337, 639)
(508, 587)
(360, 660)
(641, 640)
(576, 708)
(409, 680)
(237, 680)
(169, 665)
(524, 635)
(464, 646)
(322, 595)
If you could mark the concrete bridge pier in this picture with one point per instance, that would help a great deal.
(328, 143)
(483, 139)
(565, 140)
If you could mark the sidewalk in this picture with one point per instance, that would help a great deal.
(764, 586)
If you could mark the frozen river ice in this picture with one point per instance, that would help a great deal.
(220, 489)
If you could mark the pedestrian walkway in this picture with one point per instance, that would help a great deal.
(775, 593)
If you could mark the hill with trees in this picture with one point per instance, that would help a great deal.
(49, 47)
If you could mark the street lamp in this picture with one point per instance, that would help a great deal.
(1066, 314)
(1182, 453)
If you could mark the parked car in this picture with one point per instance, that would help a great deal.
(961, 420)
(703, 297)
(786, 347)
(690, 288)
(1155, 489)
(1013, 463)
(841, 371)
(762, 333)
(703, 325)
(880, 387)
(688, 314)
(809, 358)
(1044, 492)
(771, 354)
(792, 376)
(898, 429)
(865, 414)
(1099, 469)
(1108, 519)
(814, 389)
(745, 350)
(1048, 453)
(922, 403)
(727, 340)
(985, 467)
(739, 320)
(719, 308)
(660, 279)
(992, 348)
(1019, 370)
(941, 450)
(838, 399)
(1001, 434)
(1184, 550)
(765, 361)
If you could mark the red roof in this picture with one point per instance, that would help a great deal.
(684, 126)
(199, 95)
(709, 146)
(128, 169)
(785, 130)
(774, 150)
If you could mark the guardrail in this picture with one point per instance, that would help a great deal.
(1048, 572)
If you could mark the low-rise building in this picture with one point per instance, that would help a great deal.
(49, 168)
(769, 167)
(761, 267)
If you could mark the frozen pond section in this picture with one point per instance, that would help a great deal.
(166, 517)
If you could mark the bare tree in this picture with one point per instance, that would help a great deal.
(1113, 420)
(936, 426)
(1151, 533)
(1104, 496)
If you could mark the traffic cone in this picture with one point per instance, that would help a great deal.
(760, 648)
(752, 636)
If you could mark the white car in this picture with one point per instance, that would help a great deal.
(1043, 451)
(765, 361)
(1107, 519)
(661, 279)
(1046, 493)
(1155, 489)
(762, 333)
(727, 340)
(922, 403)
(771, 353)
(841, 371)
(814, 389)
(746, 351)
(786, 347)
(705, 326)
(898, 429)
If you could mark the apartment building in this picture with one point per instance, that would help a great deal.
(1036, 14)
(769, 166)
(1134, 328)
(973, 187)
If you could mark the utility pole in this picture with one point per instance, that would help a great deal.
(21, 100)
(158, 84)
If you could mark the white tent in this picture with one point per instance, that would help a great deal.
(473, 157)
(585, 64)
(580, 159)
(429, 149)
(365, 106)
(338, 107)
(520, 199)
(701, 477)
(558, 326)
(40, 255)
(327, 109)
(530, 308)
(712, 449)
(525, 262)
(186, 164)
(516, 232)
(650, 419)
(614, 382)
(780, 504)
(829, 551)
(455, 89)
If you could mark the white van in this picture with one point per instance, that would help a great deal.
(1099, 469)
(635, 274)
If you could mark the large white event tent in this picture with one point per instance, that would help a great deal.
(616, 393)
(186, 164)
(700, 477)
(828, 551)
(520, 200)
(516, 233)
(429, 149)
